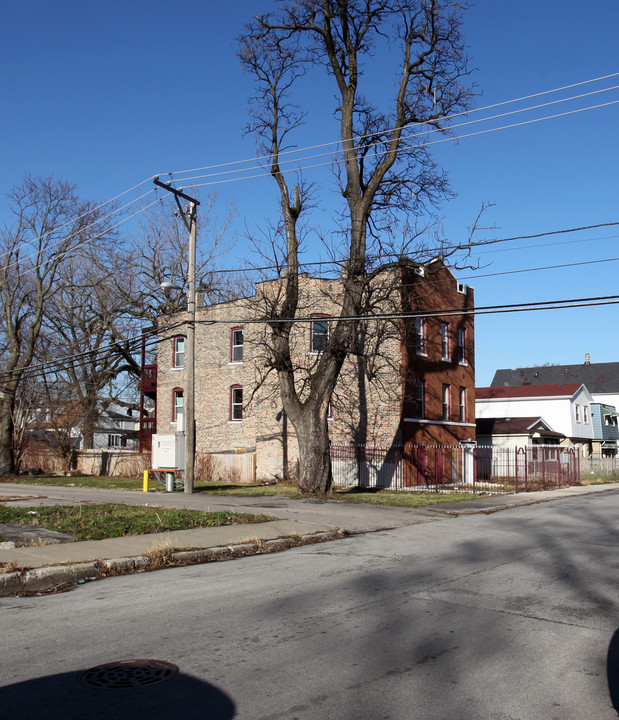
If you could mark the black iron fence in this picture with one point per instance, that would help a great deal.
(452, 469)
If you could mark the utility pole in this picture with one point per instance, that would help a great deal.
(189, 218)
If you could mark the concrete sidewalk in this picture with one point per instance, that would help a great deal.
(41, 568)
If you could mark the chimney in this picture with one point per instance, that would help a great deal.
(587, 359)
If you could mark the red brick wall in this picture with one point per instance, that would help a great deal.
(438, 289)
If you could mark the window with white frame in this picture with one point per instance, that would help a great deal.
(585, 414)
(445, 341)
(445, 401)
(462, 404)
(116, 441)
(420, 399)
(236, 345)
(178, 357)
(319, 334)
(462, 346)
(420, 336)
(577, 411)
(178, 405)
(236, 403)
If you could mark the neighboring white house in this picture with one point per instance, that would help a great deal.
(115, 431)
(565, 409)
(600, 379)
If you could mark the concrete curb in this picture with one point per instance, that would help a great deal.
(56, 578)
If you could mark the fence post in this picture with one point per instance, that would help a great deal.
(468, 463)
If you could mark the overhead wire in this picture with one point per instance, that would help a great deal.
(322, 263)
(131, 345)
(263, 173)
(482, 310)
(427, 132)
(362, 137)
(57, 366)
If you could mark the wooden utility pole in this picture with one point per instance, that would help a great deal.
(189, 218)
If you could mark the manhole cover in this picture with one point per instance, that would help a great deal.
(128, 674)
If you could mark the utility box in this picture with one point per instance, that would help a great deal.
(168, 452)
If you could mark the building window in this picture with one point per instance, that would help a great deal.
(236, 403)
(462, 346)
(116, 441)
(420, 400)
(178, 360)
(585, 414)
(178, 404)
(577, 408)
(445, 397)
(420, 336)
(319, 332)
(236, 343)
(462, 405)
(445, 341)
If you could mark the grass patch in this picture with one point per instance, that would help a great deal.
(351, 495)
(108, 483)
(98, 522)
(247, 490)
(396, 498)
(598, 479)
(403, 498)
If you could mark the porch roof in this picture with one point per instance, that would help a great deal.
(516, 426)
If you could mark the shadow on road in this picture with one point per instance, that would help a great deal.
(63, 696)
(612, 670)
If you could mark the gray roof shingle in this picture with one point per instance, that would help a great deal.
(598, 377)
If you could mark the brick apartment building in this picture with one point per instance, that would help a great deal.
(416, 387)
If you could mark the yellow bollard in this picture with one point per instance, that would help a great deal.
(145, 481)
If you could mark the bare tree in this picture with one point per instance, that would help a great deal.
(51, 223)
(160, 254)
(386, 180)
(106, 296)
(92, 337)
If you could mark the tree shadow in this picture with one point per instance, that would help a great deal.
(178, 698)
(436, 627)
(612, 670)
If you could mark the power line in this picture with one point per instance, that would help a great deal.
(482, 310)
(362, 137)
(57, 366)
(307, 167)
(91, 211)
(395, 257)
(77, 245)
(427, 132)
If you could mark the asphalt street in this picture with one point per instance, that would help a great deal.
(507, 616)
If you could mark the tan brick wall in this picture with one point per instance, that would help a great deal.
(367, 405)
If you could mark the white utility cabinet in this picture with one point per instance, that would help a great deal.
(168, 452)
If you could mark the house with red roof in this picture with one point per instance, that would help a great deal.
(566, 409)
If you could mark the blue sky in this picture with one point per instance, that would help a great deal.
(108, 94)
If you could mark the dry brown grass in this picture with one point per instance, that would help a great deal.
(160, 555)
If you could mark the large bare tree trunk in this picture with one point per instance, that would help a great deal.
(385, 181)
(315, 476)
(7, 466)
